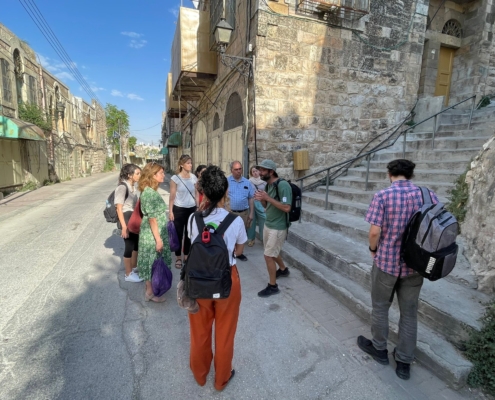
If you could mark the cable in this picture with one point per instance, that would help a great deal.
(145, 129)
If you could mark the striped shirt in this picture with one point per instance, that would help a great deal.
(239, 193)
(391, 210)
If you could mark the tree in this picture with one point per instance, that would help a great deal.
(132, 142)
(33, 114)
(114, 115)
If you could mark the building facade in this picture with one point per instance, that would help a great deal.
(74, 146)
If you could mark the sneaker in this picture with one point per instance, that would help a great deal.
(135, 271)
(269, 290)
(402, 370)
(380, 356)
(281, 273)
(242, 257)
(133, 277)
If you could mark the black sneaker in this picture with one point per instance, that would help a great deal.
(402, 370)
(269, 291)
(280, 273)
(242, 257)
(380, 356)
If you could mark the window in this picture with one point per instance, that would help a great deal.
(453, 28)
(216, 122)
(217, 12)
(6, 85)
(233, 114)
(32, 90)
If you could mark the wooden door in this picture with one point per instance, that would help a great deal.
(231, 147)
(444, 76)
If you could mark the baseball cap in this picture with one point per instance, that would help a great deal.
(268, 164)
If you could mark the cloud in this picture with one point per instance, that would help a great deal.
(116, 93)
(137, 44)
(133, 96)
(97, 89)
(56, 67)
(132, 34)
(174, 11)
(64, 76)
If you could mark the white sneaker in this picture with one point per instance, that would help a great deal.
(133, 277)
(135, 271)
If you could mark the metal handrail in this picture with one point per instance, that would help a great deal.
(379, 147)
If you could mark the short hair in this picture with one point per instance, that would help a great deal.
(234, 162)
(401, 167)
(147, 175)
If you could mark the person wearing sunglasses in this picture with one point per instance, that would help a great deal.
(184, 200)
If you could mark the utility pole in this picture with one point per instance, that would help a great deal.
(120, 146)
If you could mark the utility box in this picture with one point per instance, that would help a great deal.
(301, 160)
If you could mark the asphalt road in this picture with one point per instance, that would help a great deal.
(71, 328)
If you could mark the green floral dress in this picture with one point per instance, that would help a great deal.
(152, 206)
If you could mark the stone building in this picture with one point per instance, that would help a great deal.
(74, 147)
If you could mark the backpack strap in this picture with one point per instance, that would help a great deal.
(198, 217)
(224, 225)
(425, 192)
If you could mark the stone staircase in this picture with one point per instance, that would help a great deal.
(331, 246)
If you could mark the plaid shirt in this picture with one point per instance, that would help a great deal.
(239, 193)
(391, 210)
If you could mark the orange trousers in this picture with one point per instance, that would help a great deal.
(225, 313)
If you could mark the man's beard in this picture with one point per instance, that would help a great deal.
(265, 178)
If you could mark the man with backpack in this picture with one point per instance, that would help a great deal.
(389, 214)
(277, 199)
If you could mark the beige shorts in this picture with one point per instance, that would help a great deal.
(273, 240)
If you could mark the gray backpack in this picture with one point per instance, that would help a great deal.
(428, 244)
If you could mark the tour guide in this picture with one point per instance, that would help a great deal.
(277, 200)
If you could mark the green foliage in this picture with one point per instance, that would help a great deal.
(484, 102)
(458, 198)
(30, 185)
(132, 142)
(109, 164)
(48, 182)
(35, 115)
(410, 122)
(480, 350)
(114, 115)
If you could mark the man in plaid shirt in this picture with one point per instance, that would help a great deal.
(388, 215)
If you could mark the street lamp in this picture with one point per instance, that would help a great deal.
(223, 33)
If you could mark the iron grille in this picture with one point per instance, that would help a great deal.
(233, 114)
(334, 10)
(216, 122)
(7, 89)
(217, 12)
(452, 28)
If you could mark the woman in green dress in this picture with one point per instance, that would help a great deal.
(153, 236)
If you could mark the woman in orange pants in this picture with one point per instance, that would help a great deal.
(224, 312)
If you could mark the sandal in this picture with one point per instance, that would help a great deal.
(178, 263)
(251, 243)
(153, 298)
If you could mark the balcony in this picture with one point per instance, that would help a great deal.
(332, 10)
(194, 66)
(175, 109)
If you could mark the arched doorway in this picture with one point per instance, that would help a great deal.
(232, 132)
(200, 145)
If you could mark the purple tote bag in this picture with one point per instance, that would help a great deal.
(173, 238)
(161, 277)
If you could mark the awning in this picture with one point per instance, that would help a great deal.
(164, 151)
(174, 140)
(13, 128)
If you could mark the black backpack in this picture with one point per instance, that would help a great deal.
(295, 209)
(429, 241)
(207, 271)
(110, 211)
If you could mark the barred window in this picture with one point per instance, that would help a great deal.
(453, 28)
(6, 84)
(233, 114)
(217, 12)
(216, 122)
(32, 90)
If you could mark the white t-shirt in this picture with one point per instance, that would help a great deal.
(132, 198)
(185, 195)
(235, 234)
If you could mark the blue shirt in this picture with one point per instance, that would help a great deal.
(239, 193)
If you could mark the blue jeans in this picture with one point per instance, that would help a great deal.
(259, 218)
(407, 293)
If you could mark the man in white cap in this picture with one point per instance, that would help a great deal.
(277, 200)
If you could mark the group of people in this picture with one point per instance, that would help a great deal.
(263, 200)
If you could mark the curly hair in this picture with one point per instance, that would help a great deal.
(127, 171)
(401, 167)
(200, 168)
(147, 176)
(215, 185)
(182, 160)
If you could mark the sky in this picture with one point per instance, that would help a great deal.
(121, 48)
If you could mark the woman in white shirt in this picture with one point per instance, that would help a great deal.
(184, 201)
(224, 312)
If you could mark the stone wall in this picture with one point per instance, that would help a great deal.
(478, 228)
(319, 87)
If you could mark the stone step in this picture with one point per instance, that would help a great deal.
(458, 166)
(461, 133)
(442, 143)
(426, 175)
(335, 203)
(433, 351)
(463, 125)
(429, 155)
(464, 118)
(440, 188)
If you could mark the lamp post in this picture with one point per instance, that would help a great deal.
(223, 33)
